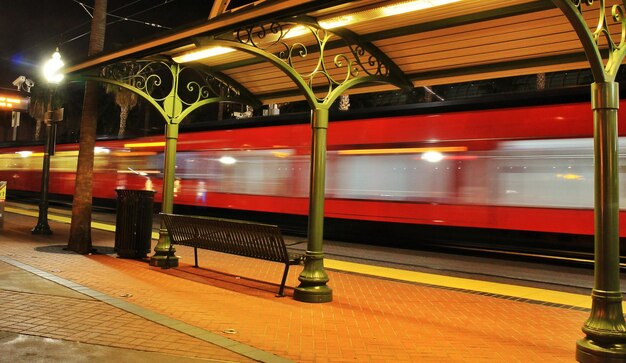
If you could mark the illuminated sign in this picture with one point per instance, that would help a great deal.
(13, 102)
(3, 191)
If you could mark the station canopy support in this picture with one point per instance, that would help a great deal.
(605, 329)
(175, 91)
(298, 47)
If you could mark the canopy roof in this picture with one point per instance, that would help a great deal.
(458, 41)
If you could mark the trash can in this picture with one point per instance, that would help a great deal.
(133, 224)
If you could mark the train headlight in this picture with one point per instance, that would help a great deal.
(228, 160)
(432, 156)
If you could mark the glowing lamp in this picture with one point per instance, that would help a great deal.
(51, 69)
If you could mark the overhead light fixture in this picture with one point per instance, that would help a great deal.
(410, 6)
(337, 22)
(201, 54)
(328, 23)
(382, 12)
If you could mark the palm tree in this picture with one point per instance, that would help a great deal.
(80, 229)
(126, 100)
(37, 110)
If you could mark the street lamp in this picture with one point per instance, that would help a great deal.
(52, 75)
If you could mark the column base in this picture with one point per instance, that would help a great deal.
(164, 259)
(42, 229)
(313, 294)
(588, 351)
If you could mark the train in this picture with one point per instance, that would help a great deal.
(508, 168)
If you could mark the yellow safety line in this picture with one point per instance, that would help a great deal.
(530, 293)
(67, 220)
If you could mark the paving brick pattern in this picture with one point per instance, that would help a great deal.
(94, 322)
(38, 307)
(369, 320)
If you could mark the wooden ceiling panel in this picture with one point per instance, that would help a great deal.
(267, 82)
(431, 46)
(488, 56)
(461, 8)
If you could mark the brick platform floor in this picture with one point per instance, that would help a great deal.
(369, 320)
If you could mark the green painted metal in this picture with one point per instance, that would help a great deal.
(157, 81)
(272, 43)
(363, 63)
(313, 278)
(605, 329)
(43, 227)
(175, 91)
(357, 46)
(140, 93)
(165, 256)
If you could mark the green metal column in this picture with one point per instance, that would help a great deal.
(42, 226)
(152, 78)
(605, 328)
(313, 278)
(162, 256)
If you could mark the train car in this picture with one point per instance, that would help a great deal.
(524, 168)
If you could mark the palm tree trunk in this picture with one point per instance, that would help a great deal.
(37, 129)
(123, 117)
(80, 229)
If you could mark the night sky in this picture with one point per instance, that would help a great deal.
(30, 30)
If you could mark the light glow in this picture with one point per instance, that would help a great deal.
(145, 144)
(227, 160)
(51, 70)
(409, 150)
(337, 22)
(24, 154)
(432, 156)
(329, 23)
(133, 153)
(282, 154)
(570, 176)
(201, 54)
(410, 6)
(296, 31)
(9, 102)
(138, 172)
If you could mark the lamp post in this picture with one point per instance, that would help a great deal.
(52, 75)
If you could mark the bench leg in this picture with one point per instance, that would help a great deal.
(195, 256)
(282, 283)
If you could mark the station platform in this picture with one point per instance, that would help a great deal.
(61, 306)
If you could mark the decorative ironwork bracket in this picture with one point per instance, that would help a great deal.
(281, 43)
(592, 40)
(174, 90)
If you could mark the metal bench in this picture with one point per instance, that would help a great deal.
(261, 241)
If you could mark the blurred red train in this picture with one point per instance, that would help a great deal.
(524, 168)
